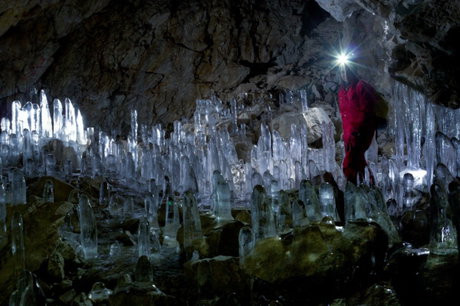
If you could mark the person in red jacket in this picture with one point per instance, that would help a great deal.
(358, 105)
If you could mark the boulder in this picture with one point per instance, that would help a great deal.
(320, 251)
(142, 294)
(312, 119)
(218, 275)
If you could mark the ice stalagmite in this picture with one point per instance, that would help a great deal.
(48, 192)
(410, 195)
(104, 193)
(3, 201)
(222, 197)
(151, 210)
(187, 179)
(327, 200)
(88, 228)
(355, 203)
(191, 222)
(246, 241)
(46, 129)
(58, 120)
(17, 242)
(143, 239)
(18, 187)
(263, 223)
(309, 197)
(443, 239)
(172, 222)
(284, 213)
(378, 212)
(299, 215)
(128, 207)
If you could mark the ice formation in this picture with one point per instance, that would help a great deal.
(197, 167)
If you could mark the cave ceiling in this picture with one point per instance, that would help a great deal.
(160, 56)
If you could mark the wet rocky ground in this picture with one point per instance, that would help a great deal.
(324, 263)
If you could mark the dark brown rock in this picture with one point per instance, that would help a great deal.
(321, 250)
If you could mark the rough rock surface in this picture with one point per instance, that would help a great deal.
(158, 57)
(317, 251)
(415, 38)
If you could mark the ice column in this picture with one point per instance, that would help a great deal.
(88, 228)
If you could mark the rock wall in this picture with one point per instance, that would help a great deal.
(159, 56)
(156, 56)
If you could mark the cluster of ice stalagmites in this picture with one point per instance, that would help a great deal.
(198, 167)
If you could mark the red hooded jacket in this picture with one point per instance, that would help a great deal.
(357, 106)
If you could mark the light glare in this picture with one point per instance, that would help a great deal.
(343, 59)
